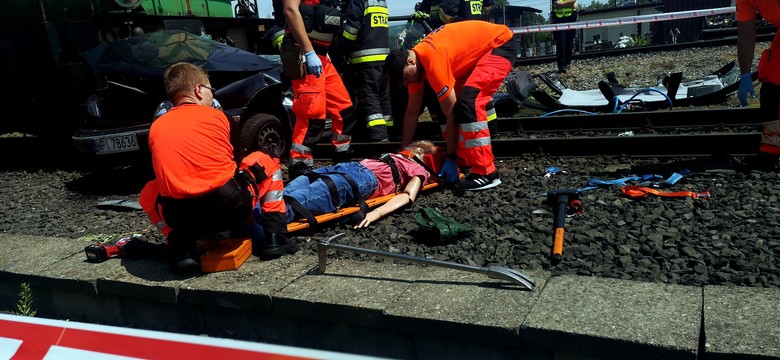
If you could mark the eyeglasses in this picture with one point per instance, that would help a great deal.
(213, 89)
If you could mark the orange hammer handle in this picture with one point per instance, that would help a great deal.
(557, 249)
(560, 222)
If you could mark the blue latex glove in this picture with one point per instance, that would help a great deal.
(745, 88)
(313, 63)
(449, 172)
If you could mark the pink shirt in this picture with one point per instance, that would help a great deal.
(407, 169)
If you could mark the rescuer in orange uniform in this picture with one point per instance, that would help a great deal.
(464, 62)
(200, 188)
(768, 74)
(311, 102)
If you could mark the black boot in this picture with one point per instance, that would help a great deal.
(274, 246)
(342, 156)
(142, 249)
(299, 169)
(185, 263)
(183, 256)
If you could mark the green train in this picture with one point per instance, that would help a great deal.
(44, 79)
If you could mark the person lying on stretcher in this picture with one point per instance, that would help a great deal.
(402, 173)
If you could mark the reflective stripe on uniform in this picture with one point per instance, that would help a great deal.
(320, 36)
(300, 149)
(342, 148)
(375, 120)
(375, 10)
(277, 175)
(275, 195)
(483, 141)
(277, 39)
(350, 32)
(491, 114)
(474, 126)
(366, 59)
(349, 36)
(368, 55)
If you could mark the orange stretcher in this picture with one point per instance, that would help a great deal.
(348, 210)
(230, 254)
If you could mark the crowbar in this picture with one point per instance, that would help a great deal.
(493, 272)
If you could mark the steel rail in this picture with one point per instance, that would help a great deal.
(718, 118)
(734, 144)
(694, 133)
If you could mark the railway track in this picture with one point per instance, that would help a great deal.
(712, 42)
(734, 132)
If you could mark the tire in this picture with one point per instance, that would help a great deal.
(265, 133)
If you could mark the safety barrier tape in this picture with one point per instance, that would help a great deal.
(624, 20)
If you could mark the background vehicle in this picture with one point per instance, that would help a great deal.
(45, 81)
(130, 91)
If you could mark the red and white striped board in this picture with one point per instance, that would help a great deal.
(23, 338)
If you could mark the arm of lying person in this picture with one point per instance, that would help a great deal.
(399, 200)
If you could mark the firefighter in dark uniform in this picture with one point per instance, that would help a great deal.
(366, 39)
(564, 11)
(447, 11)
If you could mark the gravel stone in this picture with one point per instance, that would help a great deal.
(732, 238)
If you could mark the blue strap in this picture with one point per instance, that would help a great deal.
(622, 181)
(673, 179)
(643, 179)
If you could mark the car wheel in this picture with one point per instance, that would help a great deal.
(264, 132)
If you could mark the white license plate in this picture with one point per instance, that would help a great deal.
(116, 144)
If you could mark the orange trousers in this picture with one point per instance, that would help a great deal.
(314, 99)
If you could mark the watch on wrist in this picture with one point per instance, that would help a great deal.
(452, 157)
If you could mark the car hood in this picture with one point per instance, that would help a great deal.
(152, 53)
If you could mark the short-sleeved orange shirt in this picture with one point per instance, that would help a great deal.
(450, 53)
(769, 10)
(191, 151)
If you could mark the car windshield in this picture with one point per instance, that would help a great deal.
(161, 49)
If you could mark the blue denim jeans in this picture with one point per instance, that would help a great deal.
(315, 196)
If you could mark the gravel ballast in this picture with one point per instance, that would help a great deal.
(731, 238)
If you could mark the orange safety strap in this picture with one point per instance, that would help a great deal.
(638, 192)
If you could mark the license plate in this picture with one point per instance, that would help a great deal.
(116, 144)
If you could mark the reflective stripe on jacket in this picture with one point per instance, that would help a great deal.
(565, 11)
(366, 29)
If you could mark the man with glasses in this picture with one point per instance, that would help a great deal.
(204, 186)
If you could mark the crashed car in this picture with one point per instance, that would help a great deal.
(130, 94)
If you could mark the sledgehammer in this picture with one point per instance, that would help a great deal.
(560, 200)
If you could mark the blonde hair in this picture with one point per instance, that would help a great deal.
(183, 76)
(421, 148)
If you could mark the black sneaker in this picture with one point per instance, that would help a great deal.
(185, 264)
(299, 169)
(275, 246)
(479, 182)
